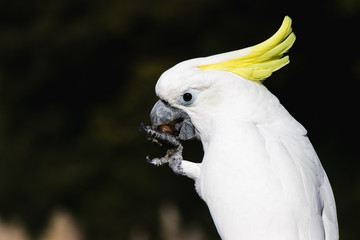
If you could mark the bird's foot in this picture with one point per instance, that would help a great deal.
(172, 145)
(173, 157)
(160, 137)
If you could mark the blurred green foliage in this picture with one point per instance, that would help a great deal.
(77, 78)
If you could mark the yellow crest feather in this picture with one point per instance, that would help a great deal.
(264, 58)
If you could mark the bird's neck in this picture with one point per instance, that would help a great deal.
(227, 132)
(231, 135)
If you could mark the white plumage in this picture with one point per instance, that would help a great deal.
(260, 176)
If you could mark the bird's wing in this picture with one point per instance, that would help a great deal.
(329, 211)
(303, 178)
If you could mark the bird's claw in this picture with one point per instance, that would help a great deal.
(148, 160)
(158, 161)
(174, 149)
(142, 127)
(162, 138)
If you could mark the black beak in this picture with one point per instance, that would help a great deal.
(163, 113)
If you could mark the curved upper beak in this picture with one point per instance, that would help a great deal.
(163, 113)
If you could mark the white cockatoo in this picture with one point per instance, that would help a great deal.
(260, 175)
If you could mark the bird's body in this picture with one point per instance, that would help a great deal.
(274, 181)
(260, 176)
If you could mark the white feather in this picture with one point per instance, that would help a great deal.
(260, 176)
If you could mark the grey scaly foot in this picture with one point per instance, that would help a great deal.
(173, 155)
(163, 137)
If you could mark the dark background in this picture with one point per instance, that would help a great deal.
(77, 77)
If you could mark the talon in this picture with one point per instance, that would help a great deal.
(142, 127)
(149, 160)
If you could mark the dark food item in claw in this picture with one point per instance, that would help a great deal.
(164, 136)
(166, 128)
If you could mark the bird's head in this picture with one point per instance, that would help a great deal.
(198, 92)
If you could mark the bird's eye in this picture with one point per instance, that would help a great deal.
(187, 98)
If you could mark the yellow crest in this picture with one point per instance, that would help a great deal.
(264, 58)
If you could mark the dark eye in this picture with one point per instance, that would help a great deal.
(187, 98)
